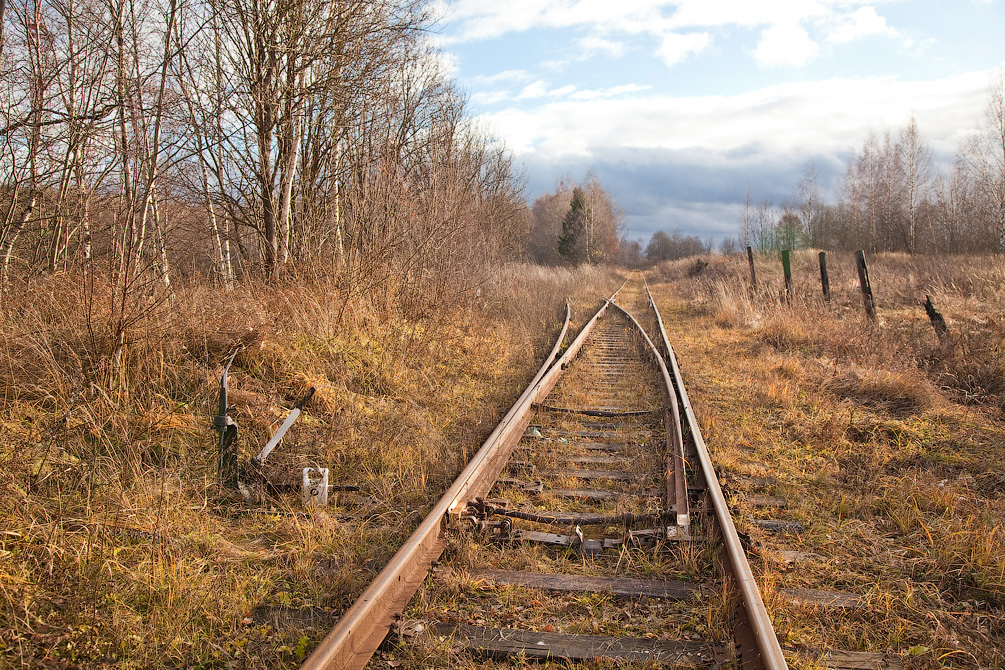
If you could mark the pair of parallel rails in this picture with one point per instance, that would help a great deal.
(585, 409)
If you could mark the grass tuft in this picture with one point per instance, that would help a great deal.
(897, 392)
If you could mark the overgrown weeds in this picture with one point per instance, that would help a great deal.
(967, 291)
(118, 547)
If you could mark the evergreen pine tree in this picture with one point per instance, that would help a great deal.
(572, 242)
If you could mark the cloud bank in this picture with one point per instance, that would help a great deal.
(680, 104)
(687, 161)
(680, 27)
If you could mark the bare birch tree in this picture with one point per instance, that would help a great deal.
(916, 164)
(984, 155)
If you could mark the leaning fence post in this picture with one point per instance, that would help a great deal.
(787, 269)
(753, 275)
(825, 281)
(863, 280)
(938, 322)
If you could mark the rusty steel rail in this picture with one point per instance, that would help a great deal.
(362, 628)
(768, 653)
(677, 484)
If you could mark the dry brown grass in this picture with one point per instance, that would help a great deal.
(886, 442)
(118, 547)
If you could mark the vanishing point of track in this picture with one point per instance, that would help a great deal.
(598, 479)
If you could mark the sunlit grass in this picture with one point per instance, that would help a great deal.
(885, 442)
(117, 545)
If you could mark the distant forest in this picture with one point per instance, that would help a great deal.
(893, 198)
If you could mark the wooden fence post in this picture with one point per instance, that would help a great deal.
(864, 283)
(824, 279)
(787, 269)
(938, 322)
(753, 275)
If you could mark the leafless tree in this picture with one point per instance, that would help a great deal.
(548, 211)
(605, 220)
(762, 231)
(915, 164)
(810, 206)
(984, 155)
(729, 246)
(240, 135)
(675, 245)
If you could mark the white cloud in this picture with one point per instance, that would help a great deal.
(804, 118)
(863, 22)
(682, 27)
(490, 97)
(538, 89)
(693, 154)
(504, 76)
(711, 13)
(675, 47)
(594, 44)
(612, 92)
(556, 65)
(785, 45)
(478, 20)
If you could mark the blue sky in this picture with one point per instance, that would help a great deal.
(679, 106)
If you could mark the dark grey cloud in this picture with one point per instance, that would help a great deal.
(698, 191)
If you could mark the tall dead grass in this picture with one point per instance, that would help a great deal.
(117, 546)
(969, 292)
(884, 439)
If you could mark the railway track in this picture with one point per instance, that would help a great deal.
(590, 525)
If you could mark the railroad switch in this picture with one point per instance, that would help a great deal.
(500, 529)
(250, 478)
(227, 428)
(483, 508)
(477, 515)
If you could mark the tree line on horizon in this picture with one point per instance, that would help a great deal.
(892, 197)
(577, 224)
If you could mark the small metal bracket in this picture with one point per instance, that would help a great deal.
(315, 487)
(477, 515)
